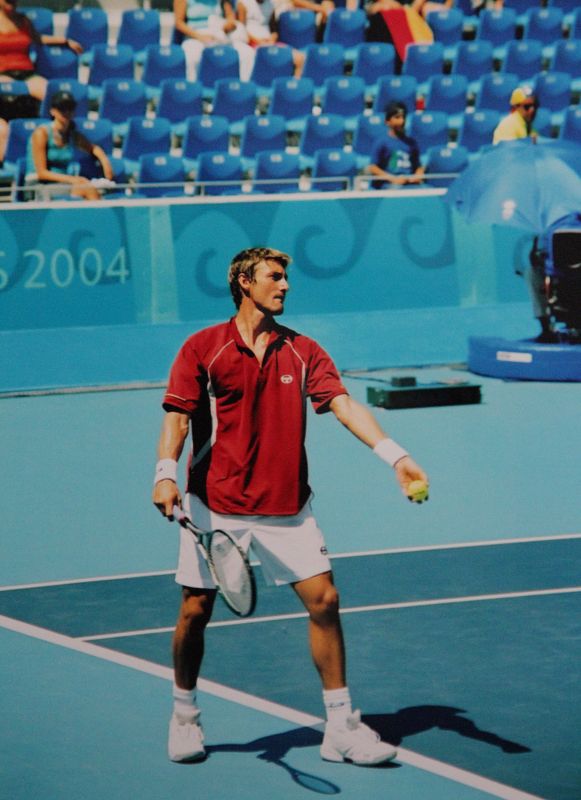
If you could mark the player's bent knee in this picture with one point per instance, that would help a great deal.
(326, 606)
(196, 608)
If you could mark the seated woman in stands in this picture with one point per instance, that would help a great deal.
(218, 29)
(18, 36)
(51, 151)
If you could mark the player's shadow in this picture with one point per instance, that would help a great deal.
(406, 722)
(274, 749)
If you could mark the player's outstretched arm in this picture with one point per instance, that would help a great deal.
(362, 424)
(174, 432)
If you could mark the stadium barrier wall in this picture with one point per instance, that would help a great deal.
(105, 293)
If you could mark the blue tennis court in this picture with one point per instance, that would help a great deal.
(460, 615)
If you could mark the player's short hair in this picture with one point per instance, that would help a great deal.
(245, 263)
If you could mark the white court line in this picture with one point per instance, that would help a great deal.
(355, 554)
(353, 610)
(265, 706)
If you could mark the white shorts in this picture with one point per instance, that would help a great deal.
(289, 549)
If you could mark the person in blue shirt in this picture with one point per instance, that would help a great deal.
(51, 152)
(395, 157)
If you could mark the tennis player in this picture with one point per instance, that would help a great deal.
(240, 387)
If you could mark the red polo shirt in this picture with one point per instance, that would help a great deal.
(249, 421)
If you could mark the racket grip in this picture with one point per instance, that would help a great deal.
(179, 514)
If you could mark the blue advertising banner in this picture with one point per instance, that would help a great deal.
(125, 264)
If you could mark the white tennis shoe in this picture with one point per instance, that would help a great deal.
(355, 742)
(186, 739)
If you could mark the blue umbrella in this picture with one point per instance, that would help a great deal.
(520, 184)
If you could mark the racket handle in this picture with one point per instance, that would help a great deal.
(179, 514)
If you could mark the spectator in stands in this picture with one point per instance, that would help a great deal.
(17, 37)
(51, 151)
(258, 18)
(3, 138)
(519, 123)
(395, 157)
(220, 29)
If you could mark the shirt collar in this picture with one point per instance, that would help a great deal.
(277, 333)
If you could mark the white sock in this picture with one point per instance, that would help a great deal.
(337, 704)
(185, 703)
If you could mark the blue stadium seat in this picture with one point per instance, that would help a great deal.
(447, 26)
(235, 100)
(57, 62)
(204, 134)
(477, 128)
(445, 160)
(566, 6)
(78, 90)
(98, 132)
(265, 132)
(218, 62)
(473, 60)
(521, 8)
(543, 123)
(42, 18)
(156, 173)
(347, 28)
(495, 91)
(567, 58)
(88, 26)
(178, 100)
(372, 61)
(571, 127)
(297, 28)
(553, 91)
(271, 61)
(524, 58)
(321, 132)
(19, 132)
(369, 128)
(293, 98)
(145, 136)
(330, 164)
(429, 129)
(546, 26)
(109, 62)
(422, 61)
(159, 63)
(448, 93)
(220, 173)
(402, 88)
(120, 100)
(345, 96)
(323, 61)
(497, 26)
(139, 28)
(279, 170)
(575, 27)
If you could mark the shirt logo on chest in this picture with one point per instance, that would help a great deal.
(286, 378)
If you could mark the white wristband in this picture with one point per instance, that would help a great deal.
(389, 451)
(166, 469)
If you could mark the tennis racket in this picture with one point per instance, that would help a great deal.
(228, 564)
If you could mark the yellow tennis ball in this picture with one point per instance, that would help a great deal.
(418, 491)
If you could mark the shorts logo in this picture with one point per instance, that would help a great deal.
(286, 378)
(324, 550)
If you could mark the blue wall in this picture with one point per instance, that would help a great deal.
(111, 266)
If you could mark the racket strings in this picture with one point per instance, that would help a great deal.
(232, 572)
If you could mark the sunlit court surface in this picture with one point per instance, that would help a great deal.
(461, 615)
